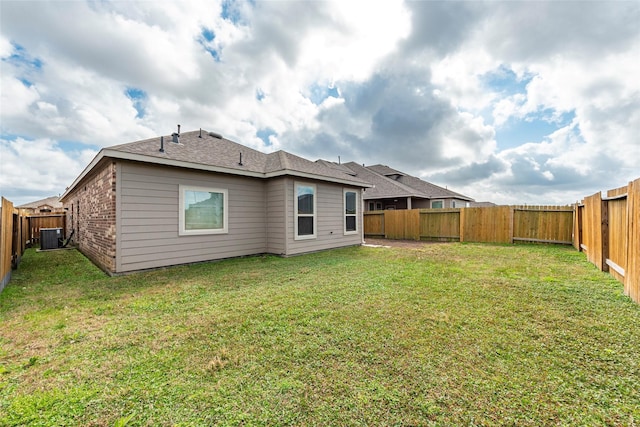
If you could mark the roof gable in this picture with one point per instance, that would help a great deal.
(52, 202)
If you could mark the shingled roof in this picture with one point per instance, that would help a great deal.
(53, 201)
(425, 188)
(389, 182)
(383, 187)
(202, 150)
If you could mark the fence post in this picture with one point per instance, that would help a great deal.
(511, 225)
(577, 226)
(632, 272)
(605, 234)
(6, 236)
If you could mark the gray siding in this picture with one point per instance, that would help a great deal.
(330, 220)
(420, 204)
(459, 203)
(276, 216)
(147, 212)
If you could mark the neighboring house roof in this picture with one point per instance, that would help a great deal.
(53, 201)
(206, 151)
(383, 187)
(390, 183)
(482, 204)
(430, 190)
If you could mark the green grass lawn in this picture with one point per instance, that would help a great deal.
(451, 334)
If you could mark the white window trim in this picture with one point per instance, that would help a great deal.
(295, 211)
(437, 200)
(344, 211)
(225, 211)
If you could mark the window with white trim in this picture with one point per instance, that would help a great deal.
(305, 211)
(203, 210)
(350, 212)
(437, 204)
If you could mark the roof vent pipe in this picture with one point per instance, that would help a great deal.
(240, 162)
(162, 144)
(200, 135)
(178, 130)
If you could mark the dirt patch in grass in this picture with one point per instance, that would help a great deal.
(409, 244)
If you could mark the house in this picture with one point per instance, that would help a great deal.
(197, 196)
(392, 189)
(45, 206)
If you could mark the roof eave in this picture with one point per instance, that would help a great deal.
(290, 172)
(108, 153)
(392, 196)
(84, 173)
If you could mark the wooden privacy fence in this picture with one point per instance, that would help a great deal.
(16, 228)
(607, 229)
(497, 224)
(13, 224)
(36, 222)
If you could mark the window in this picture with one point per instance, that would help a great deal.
(203, 211)
(379, 206)
(350, 212)
(453, 204)
(372, 206)
(305, 211)
(437, 204)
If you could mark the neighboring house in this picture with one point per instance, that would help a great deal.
(45, 206)
(482, 204)
(197, 197)
(393, 189)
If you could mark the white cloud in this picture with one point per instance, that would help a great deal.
(411, 79)
(351, 47)
(35, 169)
(508, 107)
(16, 97)
(458, 75)
(5, 47)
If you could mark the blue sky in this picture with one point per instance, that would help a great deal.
(532, 128)
(500, 101)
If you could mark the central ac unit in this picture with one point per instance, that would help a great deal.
(50, 238)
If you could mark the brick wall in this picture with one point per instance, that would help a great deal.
(91, 212)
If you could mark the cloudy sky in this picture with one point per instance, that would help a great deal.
(512, 102)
